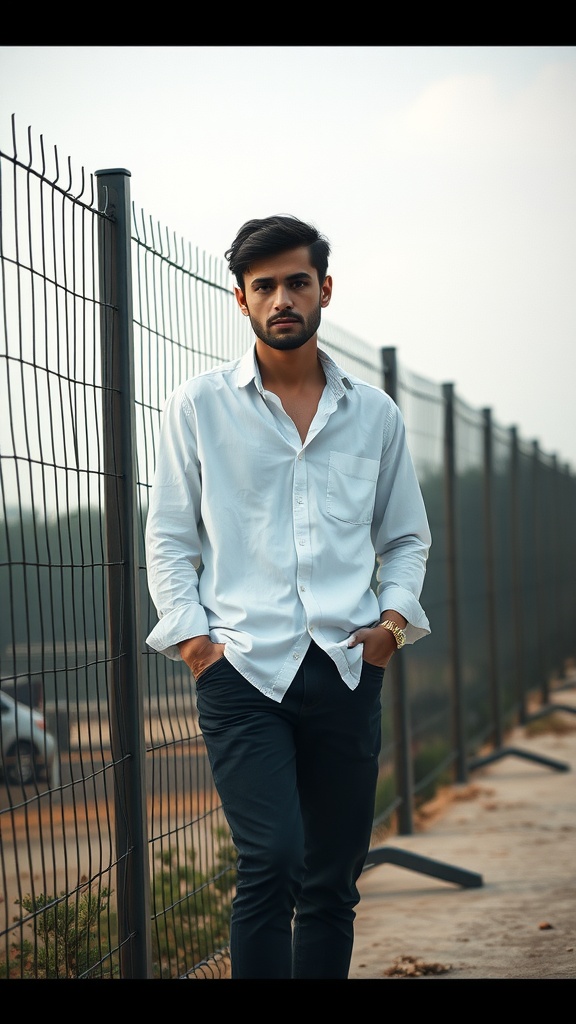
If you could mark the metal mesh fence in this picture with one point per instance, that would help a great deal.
(58, 854)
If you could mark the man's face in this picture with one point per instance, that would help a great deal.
(284, 299)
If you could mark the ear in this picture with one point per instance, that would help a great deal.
(241, 300)
(326, 291)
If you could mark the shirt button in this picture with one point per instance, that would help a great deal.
(302, 588)
(296, 657)
(300, 456)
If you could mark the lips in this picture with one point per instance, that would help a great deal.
(284, 321)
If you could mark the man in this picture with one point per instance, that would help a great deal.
(280, 481)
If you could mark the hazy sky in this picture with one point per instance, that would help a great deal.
(444, 177)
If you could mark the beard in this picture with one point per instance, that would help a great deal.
(293, 337)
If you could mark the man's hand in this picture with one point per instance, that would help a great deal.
(379, 644)
(199, 652)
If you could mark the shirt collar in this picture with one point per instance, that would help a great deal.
(248, 370)
(337, 380)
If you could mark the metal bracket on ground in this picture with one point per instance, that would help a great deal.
(496, 755)
(425, 865)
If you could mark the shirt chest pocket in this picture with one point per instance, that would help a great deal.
(351, 487)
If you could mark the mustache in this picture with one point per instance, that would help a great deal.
(284, 316)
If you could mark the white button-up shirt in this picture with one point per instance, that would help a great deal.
(264, 543)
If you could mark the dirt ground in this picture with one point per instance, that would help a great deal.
(514, 825)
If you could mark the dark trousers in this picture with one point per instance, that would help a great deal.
(297, 781)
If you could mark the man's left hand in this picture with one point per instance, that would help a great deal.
(379, 644)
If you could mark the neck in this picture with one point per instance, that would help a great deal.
(292, 368)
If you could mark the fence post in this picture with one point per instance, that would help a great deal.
(127, 715)
(566, 560)
(557, 561)
(458, 731)
(517, 603)
(400, 707)
(498, 733)
(540, 596)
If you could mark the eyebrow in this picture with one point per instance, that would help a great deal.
(302, 276)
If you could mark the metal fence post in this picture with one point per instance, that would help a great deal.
(517, 593)
(566, 561)
(540, 597)
(458, 732)
(400, 707)
(127, 717)
(555, 607)
(498, 733)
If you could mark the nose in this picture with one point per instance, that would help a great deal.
(282, 298)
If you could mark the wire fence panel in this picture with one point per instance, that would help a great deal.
(57, 797)
(185, 321)
(115, 858)
(428, 665)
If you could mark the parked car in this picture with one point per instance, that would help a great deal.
(28, 750)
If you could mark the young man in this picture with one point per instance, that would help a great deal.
(280, 480)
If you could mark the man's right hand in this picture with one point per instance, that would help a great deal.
(199, 652)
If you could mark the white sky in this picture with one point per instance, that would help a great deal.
(444, 177)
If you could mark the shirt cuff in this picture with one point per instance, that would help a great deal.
(174, 627)
(404, 602)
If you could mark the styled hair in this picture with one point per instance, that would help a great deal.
(259, 238)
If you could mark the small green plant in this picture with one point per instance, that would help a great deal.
(428, 763)
(191, 921)
(191, 909)
(66, 942)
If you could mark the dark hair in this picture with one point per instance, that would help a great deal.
(259, 238)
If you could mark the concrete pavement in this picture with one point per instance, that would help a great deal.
(514, 825)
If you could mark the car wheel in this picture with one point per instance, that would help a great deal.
(19, 768)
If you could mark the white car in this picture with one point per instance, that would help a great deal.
(27, 750)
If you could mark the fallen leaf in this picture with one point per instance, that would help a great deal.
(414, 967)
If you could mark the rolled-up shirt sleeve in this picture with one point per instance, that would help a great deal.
(173, 547)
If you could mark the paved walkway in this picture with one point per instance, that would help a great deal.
(514, 825)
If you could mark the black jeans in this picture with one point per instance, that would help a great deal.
(297, 781)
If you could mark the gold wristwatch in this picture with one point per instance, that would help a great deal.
(399, 634)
